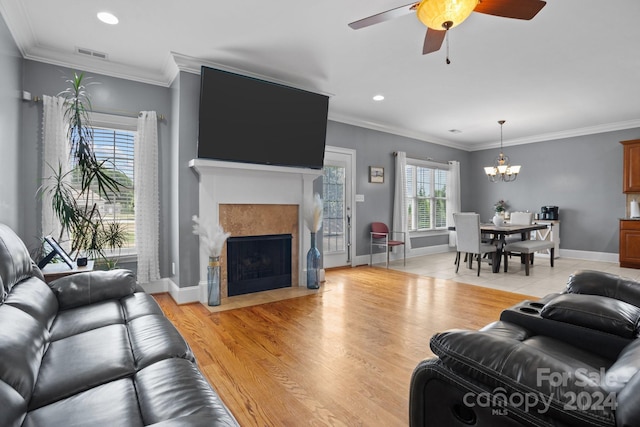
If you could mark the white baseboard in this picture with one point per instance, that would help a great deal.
(429, 250)
(180, 295)
(157, 286)
(395, 255)
(590, 256)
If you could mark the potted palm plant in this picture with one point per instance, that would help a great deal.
(74, 193)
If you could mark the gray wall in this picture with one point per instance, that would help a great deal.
(108, 94)
(588, 190)
(187, 91)
(374, 148)
(11, 208)
(580, 175)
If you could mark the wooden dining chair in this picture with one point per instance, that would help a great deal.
(381, 236)
(469, 239)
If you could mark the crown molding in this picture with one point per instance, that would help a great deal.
(98, 66)
(569, 133)
(19, 25)
(190, 64)
(349, 120)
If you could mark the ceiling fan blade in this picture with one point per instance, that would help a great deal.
(384, 16)
(433, 41)
(517, 9)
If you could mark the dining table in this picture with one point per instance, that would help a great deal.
(498, 234)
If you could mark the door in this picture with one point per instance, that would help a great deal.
(338, 215)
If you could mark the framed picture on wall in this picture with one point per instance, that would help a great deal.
(376, 174)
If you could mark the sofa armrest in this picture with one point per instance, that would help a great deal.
(93, 286)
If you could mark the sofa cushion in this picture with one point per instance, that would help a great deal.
(95, 286)
(606, 284)
(111, 404)
(14, 406)
(139, 304)
(153, 338)
(85, 318)
(23, 342)
(174, 388)
(34, 297)
(79, 362)
(15, 260)
(595, 312)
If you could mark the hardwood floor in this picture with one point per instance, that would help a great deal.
(339, 357)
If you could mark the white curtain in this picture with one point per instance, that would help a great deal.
(453, 197)
(146, 197)
(400, 222)
(55, 155)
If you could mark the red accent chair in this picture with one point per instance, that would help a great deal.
(382, 237)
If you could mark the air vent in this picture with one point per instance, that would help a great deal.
(91, 53)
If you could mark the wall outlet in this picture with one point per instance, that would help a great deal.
(359, 197)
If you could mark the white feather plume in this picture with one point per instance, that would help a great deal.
(313, 213)
(212, 236)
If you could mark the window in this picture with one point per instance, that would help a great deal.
(334, 209)
(426, 194)
(113, 144)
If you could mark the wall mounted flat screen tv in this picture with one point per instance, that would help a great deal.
(243, 119)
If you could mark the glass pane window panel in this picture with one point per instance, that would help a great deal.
(426, 196)
(333, 222)
(114, 149)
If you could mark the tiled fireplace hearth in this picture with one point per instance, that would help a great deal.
(250, 200)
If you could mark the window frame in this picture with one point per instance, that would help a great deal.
(117, 123)
(432, 166)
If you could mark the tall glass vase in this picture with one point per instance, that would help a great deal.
(213, 280)
(313, 264)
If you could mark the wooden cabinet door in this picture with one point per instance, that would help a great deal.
(631, 166)
(630, 244)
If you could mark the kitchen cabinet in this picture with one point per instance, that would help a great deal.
(630, 243)
(631, 166)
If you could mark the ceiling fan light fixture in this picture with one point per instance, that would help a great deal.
(444, 14)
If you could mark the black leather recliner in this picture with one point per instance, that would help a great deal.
(569, 359)
(92, 349)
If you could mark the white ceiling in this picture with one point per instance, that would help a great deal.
(574, 69)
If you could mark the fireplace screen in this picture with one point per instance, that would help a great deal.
(258, 263)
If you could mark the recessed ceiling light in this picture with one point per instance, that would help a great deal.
(108, 18)
(378, 98)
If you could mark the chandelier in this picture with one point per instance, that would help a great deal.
(501, 169)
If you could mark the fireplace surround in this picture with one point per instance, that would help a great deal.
(248, 199)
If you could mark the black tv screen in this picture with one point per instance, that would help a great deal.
(243, 119)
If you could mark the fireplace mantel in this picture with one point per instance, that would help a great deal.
(223, 182)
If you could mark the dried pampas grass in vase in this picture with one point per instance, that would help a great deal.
(213, 237)
(313, 219)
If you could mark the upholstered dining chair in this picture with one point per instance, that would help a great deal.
(469, 239)
(381, 236)
(519, 218)
(516, 218)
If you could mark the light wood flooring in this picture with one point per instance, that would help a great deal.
(542, 280)
(339, 357)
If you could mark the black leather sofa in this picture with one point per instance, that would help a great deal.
(92, 349)
(569, 359)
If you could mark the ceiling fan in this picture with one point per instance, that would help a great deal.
(441, 15)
